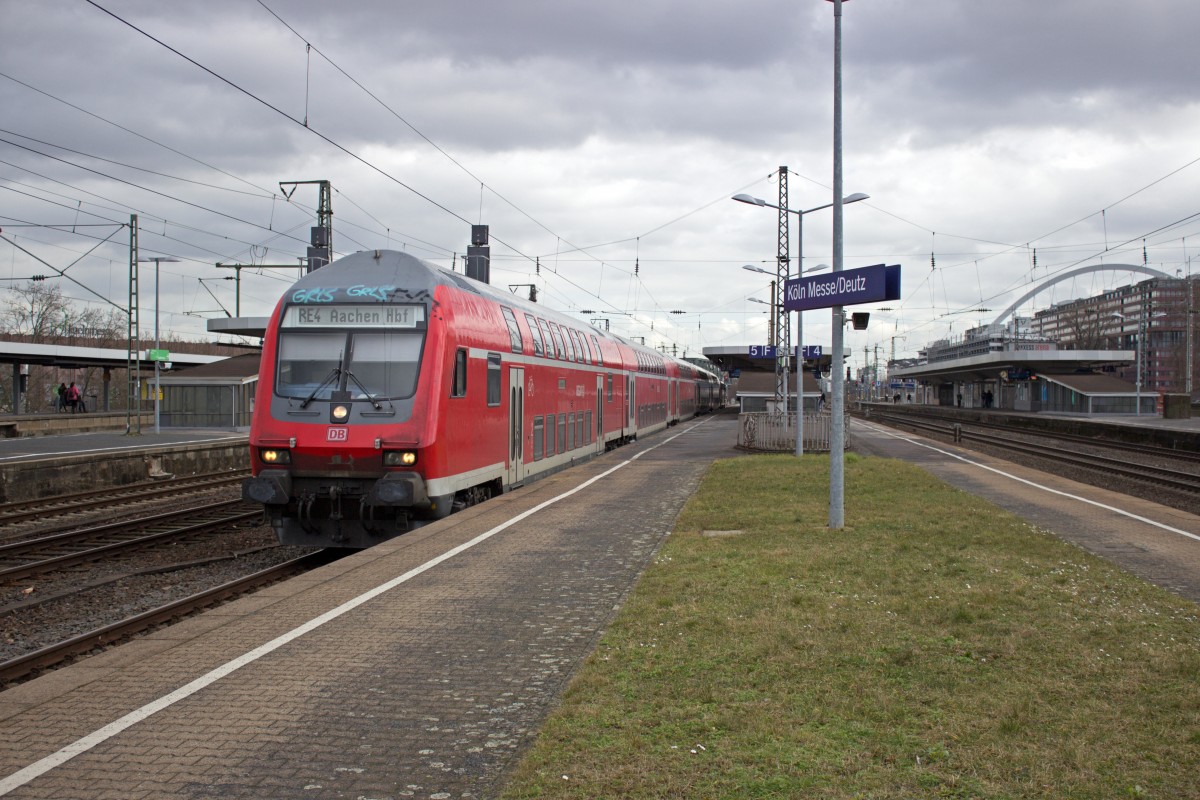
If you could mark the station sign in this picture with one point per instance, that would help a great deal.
(158, 355)
(812, 351)
(846, 288)
(762, 351)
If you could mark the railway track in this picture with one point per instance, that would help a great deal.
(132, 494)
(91, 581)
(1160, 477)
(27, 665)
(1154, 451)
(70, 548)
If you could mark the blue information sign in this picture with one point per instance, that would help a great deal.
(762, 351)
(811, 351)
(846, 288)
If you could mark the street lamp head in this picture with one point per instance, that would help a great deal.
(753, 268)
(816, 268)
(756, 300)
(754, 201)
(854, 198)
(159, 259)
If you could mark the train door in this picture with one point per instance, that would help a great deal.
(599, 413)
(516, 425)
(631, 401)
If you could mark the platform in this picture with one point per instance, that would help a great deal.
(41, 466)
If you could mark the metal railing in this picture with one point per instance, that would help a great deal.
(776, 431)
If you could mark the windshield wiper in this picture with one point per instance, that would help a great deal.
(329, 379)
(366, 392)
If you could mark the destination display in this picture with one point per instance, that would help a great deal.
(344, 315)
(846, 288)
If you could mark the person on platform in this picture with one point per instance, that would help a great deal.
(62, 397)
(73, 398)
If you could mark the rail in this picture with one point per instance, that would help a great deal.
(776, 431)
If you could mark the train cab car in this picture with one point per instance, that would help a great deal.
(392, 392)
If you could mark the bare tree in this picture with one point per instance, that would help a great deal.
(35, 309)
(1080, 328)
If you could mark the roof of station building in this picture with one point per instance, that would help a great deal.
(988, 366)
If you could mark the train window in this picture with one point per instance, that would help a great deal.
(307, 361)
(562, 433)
(459, 386)
(539, 434)
(570, 344)
(610, 387)
(571, 431)
(383, 364)
(585, 348)
(545, 329)
(378, 365)
(514, 330)
(589, 427)
(559, 350)
(493, 379)
(579, 355)
(549, 435)
(579, 429)
(536, 334)
(599, 353)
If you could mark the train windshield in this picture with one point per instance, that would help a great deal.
(368, 364)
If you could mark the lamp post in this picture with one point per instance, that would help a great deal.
(756, 201)
(157, 305)
(837, 434)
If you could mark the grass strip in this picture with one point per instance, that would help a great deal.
(935, 647)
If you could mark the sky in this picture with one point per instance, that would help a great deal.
(1001, 143)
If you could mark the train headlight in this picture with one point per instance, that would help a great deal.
(339, 413)
(399, 458)
(273, 456)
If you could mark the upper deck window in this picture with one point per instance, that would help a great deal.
(559, 350)
(536, 334)
(514, 330)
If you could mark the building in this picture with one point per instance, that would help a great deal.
(215, 395)
(1153, 318)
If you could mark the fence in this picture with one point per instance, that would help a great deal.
(774, 430)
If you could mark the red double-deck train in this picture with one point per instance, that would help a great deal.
(393, 392)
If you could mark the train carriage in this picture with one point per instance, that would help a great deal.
(393, 391)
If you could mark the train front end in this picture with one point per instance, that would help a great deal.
(341, 416)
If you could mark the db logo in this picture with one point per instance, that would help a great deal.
(338, 435)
